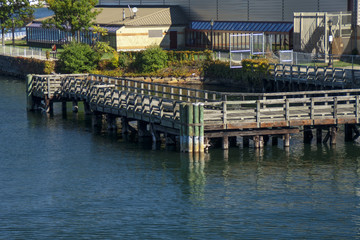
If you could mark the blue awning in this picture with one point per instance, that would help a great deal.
(265, 27)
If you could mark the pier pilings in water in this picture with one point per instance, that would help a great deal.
(198, 119)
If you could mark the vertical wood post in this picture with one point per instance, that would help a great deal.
(29, 96)
(348, 130)
(333, 131)
(63, 107)
(75, 106)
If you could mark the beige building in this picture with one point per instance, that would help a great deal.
(128, 28)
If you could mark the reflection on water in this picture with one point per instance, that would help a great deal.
(64, 178)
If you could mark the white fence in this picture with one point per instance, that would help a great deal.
(24, 52)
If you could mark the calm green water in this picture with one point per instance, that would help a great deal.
(61, 179)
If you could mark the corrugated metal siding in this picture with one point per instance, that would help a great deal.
(203, 9)
(237, 10)
(333, 5)
(292, 6)
(230, 10)
(265, 10)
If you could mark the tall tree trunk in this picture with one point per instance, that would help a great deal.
(13, 33)
(3, 36)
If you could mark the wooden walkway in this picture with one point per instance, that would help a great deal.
(195, 118)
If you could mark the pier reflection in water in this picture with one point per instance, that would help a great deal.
(64, 178)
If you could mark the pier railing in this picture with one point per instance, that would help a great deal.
(319, 76)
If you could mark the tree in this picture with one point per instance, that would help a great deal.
(78, 58)
(14, 13)
(72, 15)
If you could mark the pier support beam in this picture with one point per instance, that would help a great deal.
(258, 141)
(225, 143)
(111, 122)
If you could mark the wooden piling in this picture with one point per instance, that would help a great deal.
(348, 130)
(287, 140)
(319, 135)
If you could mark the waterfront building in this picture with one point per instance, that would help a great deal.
(287, 24)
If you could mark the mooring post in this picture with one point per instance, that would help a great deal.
(29, 96)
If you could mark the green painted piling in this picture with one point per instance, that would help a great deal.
(196, 121)
(189, 126)
(201, 128)
(29, 97)
(182, 127)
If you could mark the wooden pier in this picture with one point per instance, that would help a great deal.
(197, 119)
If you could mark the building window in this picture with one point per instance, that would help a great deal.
(155, 33)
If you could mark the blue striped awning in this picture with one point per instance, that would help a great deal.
(265, 27)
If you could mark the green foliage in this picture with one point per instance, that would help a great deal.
(259, 66)
(78, 58)
(251, 73)
(32, 65)
(14, 13)
(69, 14)
(151, 60)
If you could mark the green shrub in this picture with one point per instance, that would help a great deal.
(78, 58)
(151, 60)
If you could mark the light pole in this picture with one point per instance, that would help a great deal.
(330, 42)
(212, 37)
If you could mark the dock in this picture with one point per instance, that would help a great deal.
(197, 119)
